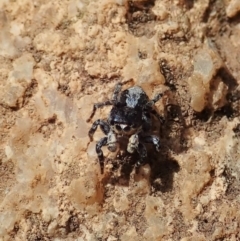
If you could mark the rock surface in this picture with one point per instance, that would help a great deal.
(57, 59)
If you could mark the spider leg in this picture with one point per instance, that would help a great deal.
(149, 107)
(97, 106)
(103, 125)
(133, 143)
(100, 144)
(112, 141)
(117, 90)
(142, 151)
(155, 99)
(153, 140)
(159, 117)
(147, 121)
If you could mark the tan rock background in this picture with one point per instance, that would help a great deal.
(57, 58)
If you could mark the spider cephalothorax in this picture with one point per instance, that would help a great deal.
(129, 117)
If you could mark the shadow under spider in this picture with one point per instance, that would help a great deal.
(124, 164)
(162, 170)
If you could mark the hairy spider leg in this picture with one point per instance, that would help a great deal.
(97, 106)
(159, 117)
(99, 145)
(103, 125)
(156, 98)
(142, 151)
(150, 104)
(116, 92)
(147, 121)
(153, 140)
(118, 89)
(133, 143)
(112, 141)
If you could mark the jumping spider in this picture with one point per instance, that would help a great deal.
(129, 117)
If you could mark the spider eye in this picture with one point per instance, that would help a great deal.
(111, 122)
(118, 127)
(127, 128)
(133, 125)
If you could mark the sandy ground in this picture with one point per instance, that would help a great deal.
(58, 58)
